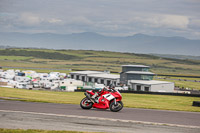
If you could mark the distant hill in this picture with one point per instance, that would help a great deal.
(138, 43)
(177, 56)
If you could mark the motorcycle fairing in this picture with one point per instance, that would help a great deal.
(109, 97)
(90, 92)
(103, 103)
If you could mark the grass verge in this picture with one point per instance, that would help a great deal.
(147, 101)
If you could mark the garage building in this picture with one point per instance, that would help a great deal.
(83, 75)
(96, 77)
(151, 85)
(104, 78)
(135, 72)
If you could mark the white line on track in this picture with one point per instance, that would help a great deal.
(98, 118)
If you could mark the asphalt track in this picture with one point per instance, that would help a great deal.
(51, 116)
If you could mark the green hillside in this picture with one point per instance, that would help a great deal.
(94, 60)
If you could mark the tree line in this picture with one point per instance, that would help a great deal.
(37, 54)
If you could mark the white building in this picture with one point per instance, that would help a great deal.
(151, 85)
(96, 77)
(70, 84)
(82, 75)
(104, 78)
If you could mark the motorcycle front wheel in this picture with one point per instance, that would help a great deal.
(86, 103)
(115, 108)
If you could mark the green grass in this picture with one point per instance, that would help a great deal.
(10, 63)
(182, 78)
(41, 70)
(162, 102)
(102, 60)
(15, 58)
(35, 131)
(184, 84)
(42, 96)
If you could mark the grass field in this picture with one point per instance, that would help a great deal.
(36, 131)
(182, 78)
(41, 70)
(14, 58)
(162, 102)
(98, 60)
(184, 84)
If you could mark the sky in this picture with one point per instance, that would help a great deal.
(107, 17)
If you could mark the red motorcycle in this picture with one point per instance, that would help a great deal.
(108, 98)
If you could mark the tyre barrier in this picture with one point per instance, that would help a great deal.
(196, 103)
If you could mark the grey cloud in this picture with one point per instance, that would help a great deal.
(108, 17)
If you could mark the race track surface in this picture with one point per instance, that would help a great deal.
(13, 112)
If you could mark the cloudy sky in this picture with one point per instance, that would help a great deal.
(107, 17)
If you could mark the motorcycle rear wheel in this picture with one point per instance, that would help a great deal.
(85, 104)
(115, 108)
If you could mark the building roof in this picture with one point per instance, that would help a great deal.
(105, 75)
(143, 66)
(140, 72)
(149, 82)
(86, 72)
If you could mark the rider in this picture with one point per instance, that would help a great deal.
(96, 96)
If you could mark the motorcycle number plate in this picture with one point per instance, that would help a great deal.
(108, 96)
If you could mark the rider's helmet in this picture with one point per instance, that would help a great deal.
(111, 86)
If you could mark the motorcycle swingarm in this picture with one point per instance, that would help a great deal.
(88, 96)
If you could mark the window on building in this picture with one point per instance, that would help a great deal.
(95, 80)
(77, 77)
(146, 88)
(89, 79)
(102, 81)
(108, 82)
(145, 69)
(138, 87)
(72, 76)
(83, 79)
(146, 77)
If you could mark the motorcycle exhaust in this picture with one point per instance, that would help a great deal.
(87, 95)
